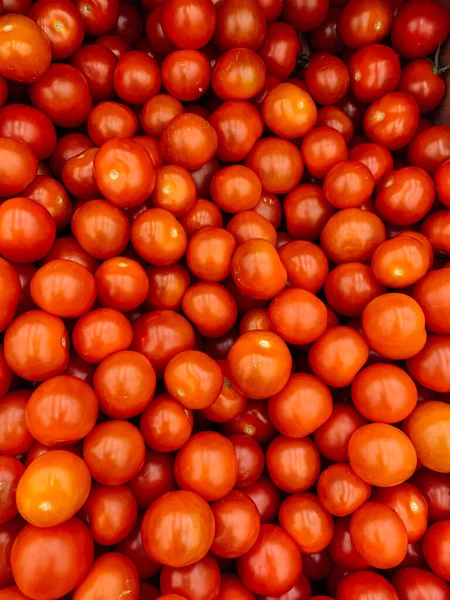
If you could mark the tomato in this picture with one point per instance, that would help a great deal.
(409, 504)
(293, 464)
(11, 473)
(188, 141)
(269, 207)
(217, 460)
(165, 424)
(114, 452)
(323, 148)
(235, 188)
(36, 345)
(132, 547)
(334, 117)
(237, 525)
(400, 262)
(178, 529)
(348, 184)
(350, 287)
(435, 228)
(64, 553)
(111, 512)
(429, 366)
(423, 82)
(337, 355)
(341, 491)
(232, 589)
(211, 307)
(376, 157)
(8, 533)
(122, 283)
(430, 148)
(364, 22)
(374, 71)
(364, 584)
(158, 237)
(382, 455)
(325, 37)
(342, 550)
(61, 410)
(273, 564)
(101, 332)
(392, 120)
(124, 172)
(24, 48)
(100, 228)
(411, 582)
(189, 24)
(333, 437)
(384, 393)
(327, 78)
(238, 125)
(136, 77)
(198, 581)
(67, 248)
(306, 211)
(434, 546)
(110, 120)
(238, 74)
(249, 225)
(278, 164)
(10, 292)
(97, 64)
(154, 478)
(240, 25)
(305, 14)
(280, 113)
(279, 49)
(415, 32)
(111, 574)
(167, 286)
(53, 488)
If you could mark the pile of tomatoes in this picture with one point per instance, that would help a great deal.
(224, 300)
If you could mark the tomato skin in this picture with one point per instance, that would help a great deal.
(297, 316)
(10, 292)
(136, 77)
(97, 64)
(382, 455)
(161, 533)
(376, 157)
(257, 571)
(305, 15)
(348, 184)
(323, 148)
(363, 585)
(278, 164)
(293, 464)
(392, 120)
(111, 574)
(417, 32)
(211, 307)
(430, 148)
(278, 110)
(374, 71)
(53, 488)
(434, 544)
(341, 548)
(279, 49)
(327, 78)
(420, 80)
(188, 141)
(364, 22)
(10, 474)
(65, 553)
(232, 589)
(341, 491)
(413, 583)
(25, 50)
(198, 581)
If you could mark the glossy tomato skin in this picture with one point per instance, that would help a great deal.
(110, 574)
(66, 552)
(29, 125)
(25, 50)
(412, 582)
(11, 292)
(11, 472)
(18, 166)
(97, 64)
(392, 120)
(327, 78)
(434, 544)
(15, 438)
(255, 570)
(374, 71)
(305, 15)
(415, 32)
(430, 148)
(365, 584)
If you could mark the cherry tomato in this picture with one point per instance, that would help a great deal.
(341, 491)
(363, 584)
(412, 581)
(293, 464)
(136, 77)
(111, 574)
(374, 71)
(238, 74)
(280, 111)
(235, 188)
(278, 164)
(392, 120)
(430, 148)
(323, 148)
(11, 472)
(434, 544)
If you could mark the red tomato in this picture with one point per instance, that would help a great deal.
(111, 574)
(434, 544)
(365, 22)
(341, 491)
(364, 584)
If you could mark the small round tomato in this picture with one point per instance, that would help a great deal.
(305, 14)
(158, 111)
(15, 439)
(114, 452)
(24, 48)
(341, 491)
(10, 289)
(110, 120)
(63, 288)
(333, 437)
(30, 126)
(278, 164)
(348, 184)
(111, 512)
(431, 294)
(306, 211)
(412, 581)
(289, 111)
(337, 355)
(297, 316)
(53, 488)
(237, 525)
(376, 157)
(188, 141)
(165, 424)
(382, 455)
(231, 589)
(307, 521)
(301, 407)
(430, 366)
(78, 175)
(100, 228)
(392, 120)
(273, 564)
(374, 71)
(441, 179)
(341, 548)
(248, 225)
(97, 64)
(379, 535)
(363, 584)
(249, 458)
(167, 286)
(253, 421)
(323, 148)
(235, 188)
(417, 32)
(186, 74)
(189, 24)
(325, 37)
(211, 307)
(410, 506)
(365, 22)
(384, 393)
(62, 410)
(174, 190)
(111, 574)
(99, 16)
(405, 196)
(273, 363)
(218, 472)
(238, 74)
(293, 464)
(424, 83)
(427, 428)
(334, 117)
(62, 25)
(430, 148)
(257, 270)
(178, 529)
(122, 283)
(394, 326)
(101, 332)
(11, 472)
(201, 578)
(124, 384)
(240, 25)
(400, 262)
(158, 237)
(124, 172)
(65, 553)
(326, 78)
(136, 77)
(436, 228)
(36, 346)
(67, 248)
(52, 195)
(306, 265)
